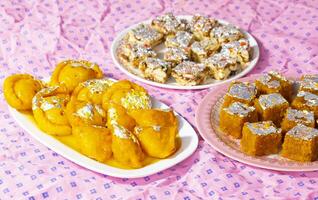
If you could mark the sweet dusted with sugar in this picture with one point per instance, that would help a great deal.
(309, 83)
(226, 33)
(261, 138)
(306, 101)
(273, 82)
(181, 39)
(156, 69)
(293, 117)
(189, 73)
(144, 35)
(271, 107)
(201, 50)
(168, 24)
(239, 50)
(201, 26)
(176, 55)
(301, 144)
(233, 118)
(177, 39)
(221, 66)
(243, 92)
(133, 54)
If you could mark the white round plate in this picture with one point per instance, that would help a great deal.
(171, 83)
(188, 136)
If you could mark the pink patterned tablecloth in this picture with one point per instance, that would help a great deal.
(35, 34)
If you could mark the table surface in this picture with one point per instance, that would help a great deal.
(35, 35)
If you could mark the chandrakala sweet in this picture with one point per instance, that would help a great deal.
(109, 121)
(19, 89)
(73, 72)
(49, 106)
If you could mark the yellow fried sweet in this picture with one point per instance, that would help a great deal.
(117, 114)
(48, 107)
(156, 131)
(73, 72)
(151, 117)
(19, 89)
(85, 113)
(94, 141)
(92, 90)
(157, 141)
(126, 148)
(125, 145)
(130, 95)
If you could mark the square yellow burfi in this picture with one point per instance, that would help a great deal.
(309, 83)
(293, 117)
(144, 35)
(273, 82)
(243, 92)
(132, 54)
(271, 107)
(201, 50)
(306, 101)
(301, 144)
(260, 138)
(233, 118)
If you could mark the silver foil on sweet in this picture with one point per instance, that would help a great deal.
(303, 132)
(271, 100)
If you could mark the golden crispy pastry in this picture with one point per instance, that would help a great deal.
(92, 90)
(129, 95)
(48, 107)
(94, 141)
(73, 72)
(156, 131)
(125, 145)
(19, 89)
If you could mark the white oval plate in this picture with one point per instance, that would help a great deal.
(171, 83)
(189, 143)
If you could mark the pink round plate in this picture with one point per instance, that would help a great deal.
(207, 121)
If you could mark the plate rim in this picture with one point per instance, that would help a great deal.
(205, 108)
(95, 166)
(121, 34)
